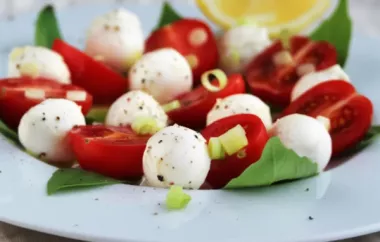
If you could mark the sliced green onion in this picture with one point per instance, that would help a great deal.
(285, 36)
(171, 106)
(241, 154)
(176, 198)
(235, 57)
(215, 149)
(220, 76)
(234, 140)
(144, 125)
(246, 21)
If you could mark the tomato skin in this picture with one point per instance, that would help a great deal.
(116, 152)
(176, 35)
(350, 113)
(103, 83)
(273, 83)
(196, 104)
(14, 104)
(223, 171)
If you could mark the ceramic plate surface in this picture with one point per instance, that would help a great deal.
(343, 202)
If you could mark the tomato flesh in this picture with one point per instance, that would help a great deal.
(196, 104)
(273, 83)
(350, 113)
(14, 104)
(188, 37)
(111, 151)
(103, 83)
(222, 171)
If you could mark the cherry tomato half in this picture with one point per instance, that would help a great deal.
(274, 83)
(103, 83)
(111, 151)
(193, 39)
(196, 104)
(350, 113)
(222, 171)
(15, 99)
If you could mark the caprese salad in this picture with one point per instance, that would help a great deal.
(182, 108)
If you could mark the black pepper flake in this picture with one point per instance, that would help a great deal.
(311, 218)
(191, 162)
(43, 119)
(155, 214)
(18, 66)
(247, 109)
(196, 136)
(96, 199)
(307, 189)
(125, 111)
(42, 155)
(189, 182)
(0, 171)
(34, 124)
(141, 107)
(143, 80)
(164, 134)
(217, 107)
(43, 114)
(86, 141)
(159, 204)
(173, 167)
(193, 146)
(160, 178)
(160, 141)
(57, 118)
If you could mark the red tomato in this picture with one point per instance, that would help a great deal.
(196, 104)
(14, 102)
(111, 151)
(189, 37)
(222, 171)
(103, 83)
(350, 113)
(273, 83)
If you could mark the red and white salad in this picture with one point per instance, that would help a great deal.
(182, 108)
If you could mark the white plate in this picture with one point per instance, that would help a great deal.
(343, 202)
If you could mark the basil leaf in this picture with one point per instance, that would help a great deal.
(47, 29)
(9, 134)
(337, 30)
(277, 163)
(73, 178)
(371, 135)
(97, 114)
(168, 15)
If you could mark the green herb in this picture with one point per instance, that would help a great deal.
(176, 198)
(47, 29)
(371, 135)
(168, 15)
(337, 30)
(73, 178)
(97, 114)
(9, 134)
(277, 163)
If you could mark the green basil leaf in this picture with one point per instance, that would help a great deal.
(277, 163)
(74, 178)
(168, 15)
(371, 135)
(47, 29)
(96, 114)
(337, 30)
(9, 134)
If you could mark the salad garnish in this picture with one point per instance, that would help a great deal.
(234, 140)
(47, 28)
(277, 163)
(73, 178)
(176, 198)
(168, 15)
(219, 75)
(173, 105)
(215, 149)
(9, 134)
(144, 125)
(337, 30)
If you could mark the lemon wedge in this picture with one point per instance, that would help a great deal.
(276, 15)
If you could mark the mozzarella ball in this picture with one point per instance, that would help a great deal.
(43, 129)
(307, 136)
(116, 39)
(176, 156)
(38, 62)
(240, 45)
(164, 73)
(135, 104)
(240, 104)
(312, 79)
